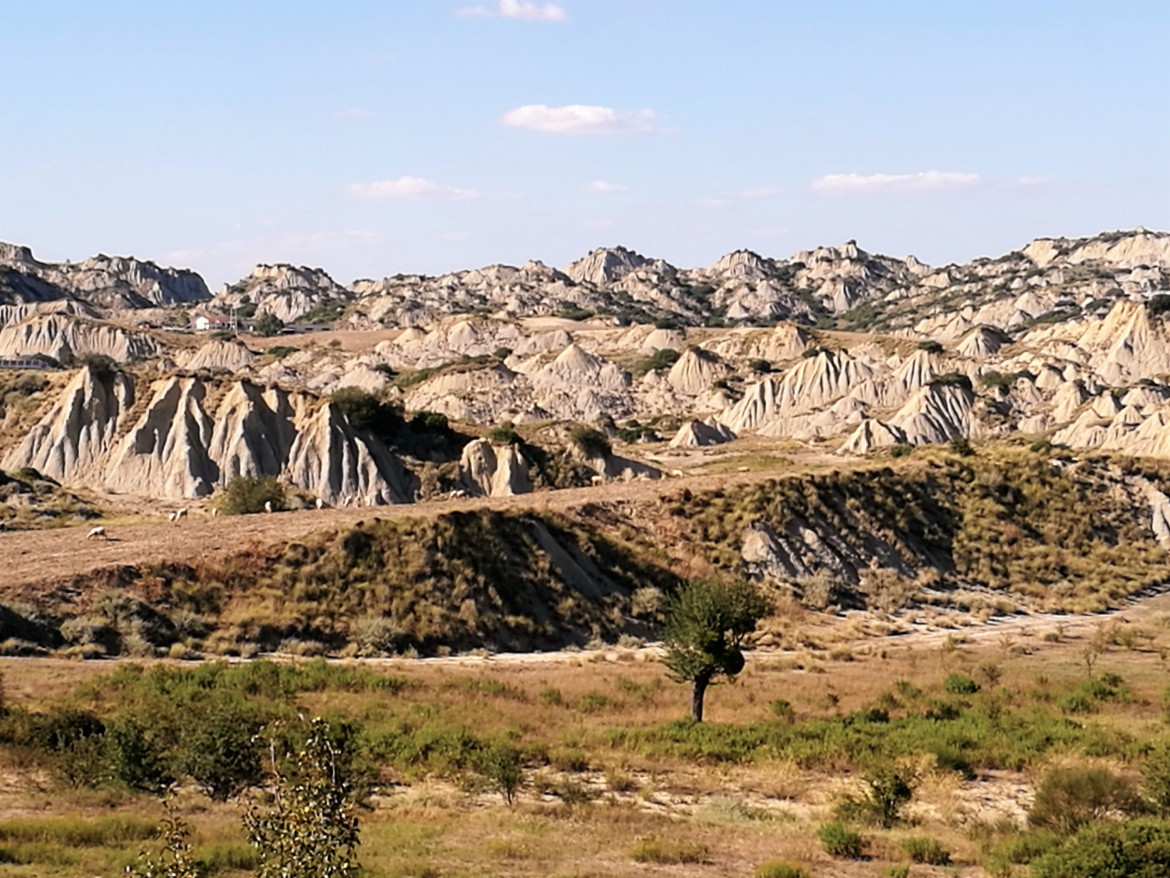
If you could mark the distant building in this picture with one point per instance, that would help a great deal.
(212, 322)
(22, 363)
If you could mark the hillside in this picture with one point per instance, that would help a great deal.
(985, 534)
(1063, 341)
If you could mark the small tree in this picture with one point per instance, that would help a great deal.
(267, 324)
(310, 830)
(707, 624)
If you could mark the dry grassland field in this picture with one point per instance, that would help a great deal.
(612, 783)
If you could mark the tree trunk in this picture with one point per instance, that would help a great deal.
(701, 682)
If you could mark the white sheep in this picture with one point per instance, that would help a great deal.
(597, 480)
(97, 531)
(676, 473)
(320, 503)
(214, 511)
(267, 505)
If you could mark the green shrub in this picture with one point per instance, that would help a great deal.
(780, 869)
(898, 870)
(663, 358)
(951, 379)
(1156, 783)
(364, 411)
(248, 495)
(1069, 798)
(839, 840)
(924, 849)
(218, 747)
(930, 346)
(783, 710)
(667, 853)
(500, 763)
(958, 684)
(887, 790)
(1129, 849)
(759, 366)
(592, 443)
(901, 450)
(504, 434)
(961, 446)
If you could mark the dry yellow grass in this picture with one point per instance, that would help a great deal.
(738, 815)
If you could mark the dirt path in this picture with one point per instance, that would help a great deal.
(52, 555)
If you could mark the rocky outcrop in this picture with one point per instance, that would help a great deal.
(605, 265)
(488, 470)
(218, 356)
(699, 434)
(66, 338)
(191, 438)
(72, 442)
(109, 281)
(285, 291)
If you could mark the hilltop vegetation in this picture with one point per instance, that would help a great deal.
(982, 532)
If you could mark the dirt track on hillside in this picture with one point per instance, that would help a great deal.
(45, 556)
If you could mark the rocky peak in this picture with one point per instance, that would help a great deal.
(16, 254)
(606, 265)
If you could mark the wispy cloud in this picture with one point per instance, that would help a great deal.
(354, 113)
(604, 187)
(415, 188)
(581, 119)
(923, 181)
(521, 9)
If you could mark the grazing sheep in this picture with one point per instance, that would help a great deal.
(267, 505)
(676, 473)
(178, 514)
(97, 531)
(214, 511)
(597, 480)
(320, 503)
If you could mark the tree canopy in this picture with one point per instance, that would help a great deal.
(707, 625)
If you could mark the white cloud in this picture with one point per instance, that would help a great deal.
(409, 188)
(923, 181)
(521, 9)
(761, 192)
(580, 119)
(604, 187)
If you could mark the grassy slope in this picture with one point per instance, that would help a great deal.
(1007, 522)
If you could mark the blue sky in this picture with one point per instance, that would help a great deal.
(370, 138)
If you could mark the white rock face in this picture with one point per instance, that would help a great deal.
(64, 338)
(488, 470)
(697, 434)
(186, 443)
(229, 356)
(107, 281)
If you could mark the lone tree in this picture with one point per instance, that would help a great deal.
(706, 626)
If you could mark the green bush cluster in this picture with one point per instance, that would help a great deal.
(249, 495)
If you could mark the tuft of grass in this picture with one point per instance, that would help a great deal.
(663, 852)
